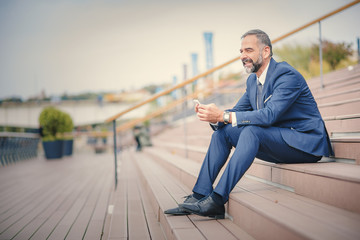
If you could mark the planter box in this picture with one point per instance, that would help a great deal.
(68, 147)
(53, 149)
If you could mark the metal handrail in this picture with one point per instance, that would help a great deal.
(191, 80)
(163, 93)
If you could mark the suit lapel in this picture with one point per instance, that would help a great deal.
(253, 89)
(266, 91)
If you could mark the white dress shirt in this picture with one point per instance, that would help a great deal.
(261, 79)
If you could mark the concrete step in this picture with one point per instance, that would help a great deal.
(268, 212)
(165, 192)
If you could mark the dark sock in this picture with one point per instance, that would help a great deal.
(217, 198)
(198, 196)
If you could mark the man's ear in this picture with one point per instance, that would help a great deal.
(266, 53)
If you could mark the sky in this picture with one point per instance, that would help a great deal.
(72, 47)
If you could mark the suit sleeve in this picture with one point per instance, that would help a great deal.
(242, 105)
(286, 90)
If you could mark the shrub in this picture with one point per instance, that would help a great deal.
(54, 123)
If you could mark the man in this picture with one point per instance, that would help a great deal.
(276, 120)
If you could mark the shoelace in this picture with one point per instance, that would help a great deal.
(208, 199)
(187, 197)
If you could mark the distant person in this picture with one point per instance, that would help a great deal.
(276, 120)
(137, 135)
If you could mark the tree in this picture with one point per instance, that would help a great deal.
(333, 53)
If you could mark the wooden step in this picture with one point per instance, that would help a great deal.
(345, 107)
(344, 148)
(336, 75)
(343, 123)
(344, 179)
(347, 147)
(337, 95)
(166, 192)
(279, 214)
(334, 80)
(130, 213)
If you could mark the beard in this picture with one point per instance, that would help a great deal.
(255, 65)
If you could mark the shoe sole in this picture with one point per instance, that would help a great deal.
(178, 214)
(221, 216)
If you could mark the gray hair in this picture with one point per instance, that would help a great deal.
(261, 36)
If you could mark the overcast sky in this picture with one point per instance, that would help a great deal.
(64, 46)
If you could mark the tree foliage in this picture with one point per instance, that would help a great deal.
(333, 53)
(305, 58)
(55, 122)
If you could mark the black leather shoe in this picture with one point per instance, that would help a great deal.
(176, 211)
(179, 211)
(205, 207)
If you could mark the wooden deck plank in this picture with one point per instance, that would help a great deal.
(65, 225)
(132, 217)
(44, 198)
(287, 221)
(154, 226)
(136, 218)
(41, 218)
(78, 229)
(52, 222)
(162, 200)
(118, 228)
(341, 220)
(20, 185)
(17, 218)
(96, 223)
(258, 208)
(238, 232)
(211, 229)
(206, 228)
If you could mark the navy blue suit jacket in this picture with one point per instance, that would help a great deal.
(289, 105)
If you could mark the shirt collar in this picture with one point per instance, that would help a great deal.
(262, 77)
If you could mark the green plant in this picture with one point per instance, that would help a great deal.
(333, 53)
(305, 58)
(66, 126)
(54, 123)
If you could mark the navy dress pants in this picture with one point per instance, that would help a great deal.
(265, 143)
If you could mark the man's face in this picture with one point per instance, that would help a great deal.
(251, 54)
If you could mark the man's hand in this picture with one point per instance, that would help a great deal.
(209, 113)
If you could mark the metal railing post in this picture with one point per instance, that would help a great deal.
(115, 152)
(185, 112)
(358, 49)
(321, 57)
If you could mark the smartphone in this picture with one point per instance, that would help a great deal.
(196, 101)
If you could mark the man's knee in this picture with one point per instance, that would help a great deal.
(251, 131)
(222, 135)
